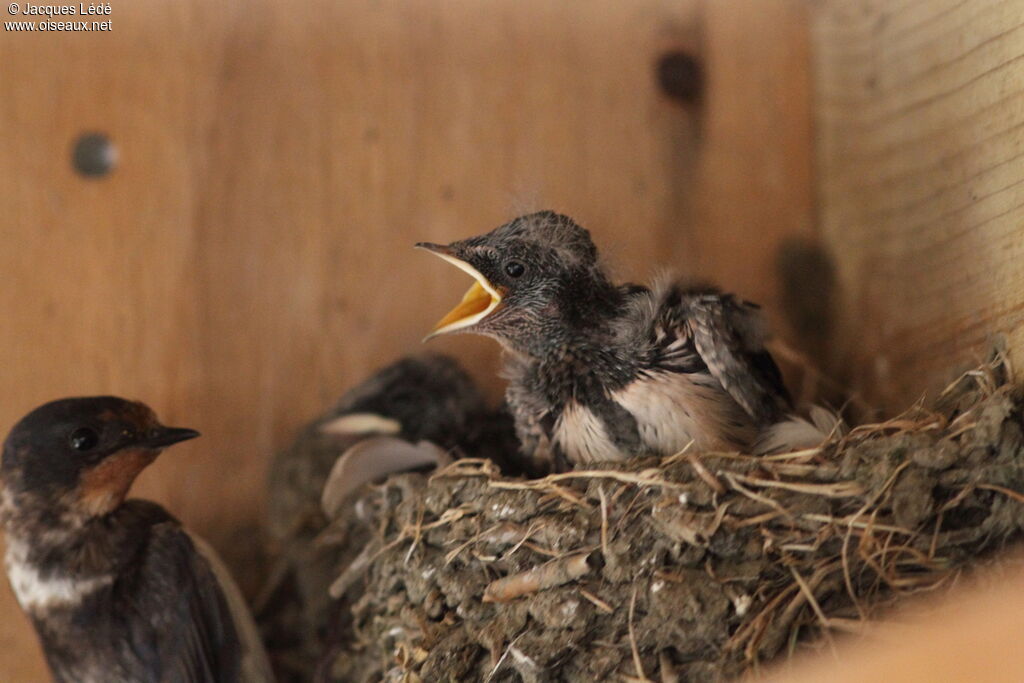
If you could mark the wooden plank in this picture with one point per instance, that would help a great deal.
(920, 119)
(250, 256)
(754, 176)
(967, 635)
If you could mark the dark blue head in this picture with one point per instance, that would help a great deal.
(93, 447)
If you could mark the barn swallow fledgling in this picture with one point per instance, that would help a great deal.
(427, 397)
(117, 590)
(601, 372)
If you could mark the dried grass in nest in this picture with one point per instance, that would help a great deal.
(698, 567)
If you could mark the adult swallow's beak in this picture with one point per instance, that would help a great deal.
(479, 301)
(162, 437)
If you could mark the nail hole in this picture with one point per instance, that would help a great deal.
(680, 76)
(94, 155)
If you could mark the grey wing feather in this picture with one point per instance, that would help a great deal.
(195, 635)
(254, 663)
(729, 335)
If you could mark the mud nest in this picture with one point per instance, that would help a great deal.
(696, 567)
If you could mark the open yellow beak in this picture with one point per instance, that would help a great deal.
(478, 302)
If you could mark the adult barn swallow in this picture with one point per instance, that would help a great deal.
(599, 371)
(116, 589)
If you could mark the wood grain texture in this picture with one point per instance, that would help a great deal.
(251, 255)
(754, 171)
(920, 119)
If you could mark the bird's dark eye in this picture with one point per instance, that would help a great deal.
(514, 269)
(84, 439)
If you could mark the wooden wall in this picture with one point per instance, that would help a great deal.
(919, 111)
(919, 115)
(969, 635)
(250, 256)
